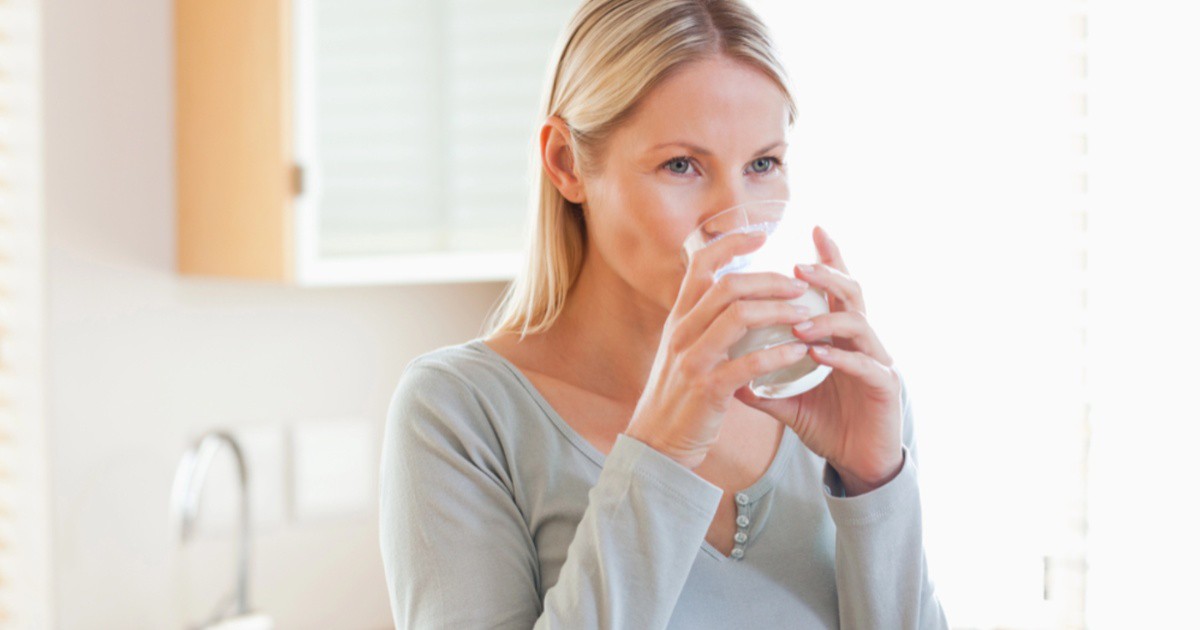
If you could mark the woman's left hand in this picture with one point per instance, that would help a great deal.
(852, 418)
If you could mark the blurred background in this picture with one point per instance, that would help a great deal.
(247, 216)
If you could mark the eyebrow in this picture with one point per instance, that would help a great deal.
(702, 151)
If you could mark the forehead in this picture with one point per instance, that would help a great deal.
(716, 103)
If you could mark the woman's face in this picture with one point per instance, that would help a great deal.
(709, 137)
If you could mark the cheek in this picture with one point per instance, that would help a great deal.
(643, 245)
(639, 231)
(648, 254)
(637, 243)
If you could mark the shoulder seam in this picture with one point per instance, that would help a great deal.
(478, 396)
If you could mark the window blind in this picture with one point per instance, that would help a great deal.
(426, 112)
(24, 525)
(377, 126)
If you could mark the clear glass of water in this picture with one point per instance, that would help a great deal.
(788, 242)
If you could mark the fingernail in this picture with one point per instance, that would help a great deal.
(805, 268)
(803, 325)
(822, 350)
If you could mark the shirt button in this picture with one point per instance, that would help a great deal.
(738, 553)
(740, 537)
(742, 499)
(743, 520)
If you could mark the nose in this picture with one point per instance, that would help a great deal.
(732, 196)
(725, 199)
(719, 203)
(725, 194)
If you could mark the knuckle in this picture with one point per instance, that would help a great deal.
(701, 281)
(727, 285)
(687, 365)
(676, 344)
(742, 311)
(894, 378)
(758, 362)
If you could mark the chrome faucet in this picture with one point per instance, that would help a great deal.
(185, 503)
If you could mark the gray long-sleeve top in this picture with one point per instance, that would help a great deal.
(495, 513)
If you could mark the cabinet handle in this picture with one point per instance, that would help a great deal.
(297, 180)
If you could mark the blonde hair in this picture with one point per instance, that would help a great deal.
(609, 56)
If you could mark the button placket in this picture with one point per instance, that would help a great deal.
(743, 522)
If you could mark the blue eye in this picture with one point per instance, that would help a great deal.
(679, 165)
(764, 164)
(681, 160)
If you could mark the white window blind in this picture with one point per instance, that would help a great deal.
(425, 114)
(377, 126)
(941, 143)
(25, 580)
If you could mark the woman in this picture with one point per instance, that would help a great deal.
(597, 460)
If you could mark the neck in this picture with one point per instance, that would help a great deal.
(607, 334)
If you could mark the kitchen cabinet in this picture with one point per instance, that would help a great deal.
(342, 142)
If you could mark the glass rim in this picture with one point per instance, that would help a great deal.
(754, 202)
(695, 239)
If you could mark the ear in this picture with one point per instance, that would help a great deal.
(558, 159)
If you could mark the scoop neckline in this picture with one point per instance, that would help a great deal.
(755, 491)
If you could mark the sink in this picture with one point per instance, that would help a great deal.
(244, 622)
(185, 503)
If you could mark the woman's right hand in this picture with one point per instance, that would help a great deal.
(692, 380)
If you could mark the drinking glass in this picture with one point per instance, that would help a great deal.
(788, 242)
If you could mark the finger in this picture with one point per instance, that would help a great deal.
(853, 363)
(830, 254)
(727, 291)
(851, 326)
(732, 374)
(781, 408)
(704, 263)
(844, 292)
(739, 317)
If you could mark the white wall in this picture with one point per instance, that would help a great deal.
(140, 359)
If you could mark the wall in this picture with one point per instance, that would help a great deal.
(140, 360)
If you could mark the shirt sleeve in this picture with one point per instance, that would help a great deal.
(882, 577)
(457, 552)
